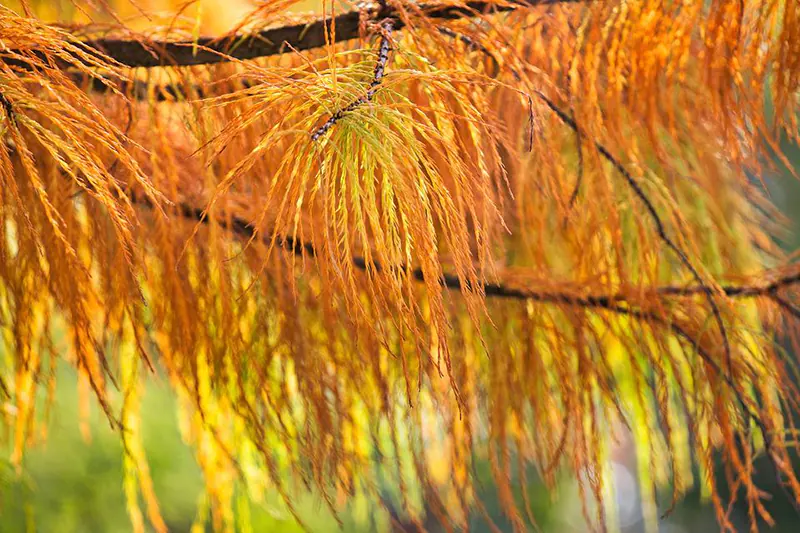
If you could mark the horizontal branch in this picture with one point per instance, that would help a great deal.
(275, 41)
(609, 302)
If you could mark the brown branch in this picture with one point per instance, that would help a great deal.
(313, 35)
(609, 302)
(274, 41)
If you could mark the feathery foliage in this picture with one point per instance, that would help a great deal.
(358, 242)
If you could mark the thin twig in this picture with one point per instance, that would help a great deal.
(610, 302)
(637, 189)
(495, 290)
(377, 78)
(633, 184)
(579, 180)
(785, 304)
(392, 20)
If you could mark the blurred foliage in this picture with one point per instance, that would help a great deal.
(74, 484)
(71, 483)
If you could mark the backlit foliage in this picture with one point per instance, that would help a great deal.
(450, 232)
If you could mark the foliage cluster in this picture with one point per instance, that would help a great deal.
(358, 241)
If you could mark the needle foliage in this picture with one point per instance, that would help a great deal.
(371, 246)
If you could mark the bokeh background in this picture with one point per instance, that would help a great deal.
(72, 477)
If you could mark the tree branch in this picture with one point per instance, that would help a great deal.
(274, 41)
(655, 218)
(608, 302)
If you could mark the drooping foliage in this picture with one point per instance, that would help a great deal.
(360, 240)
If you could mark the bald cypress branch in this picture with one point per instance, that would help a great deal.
(276, 41)
(610, 302)
(655, 218)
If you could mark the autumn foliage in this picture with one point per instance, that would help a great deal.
(353, 240)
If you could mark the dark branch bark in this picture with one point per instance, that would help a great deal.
(275, 41)
(609, 302)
